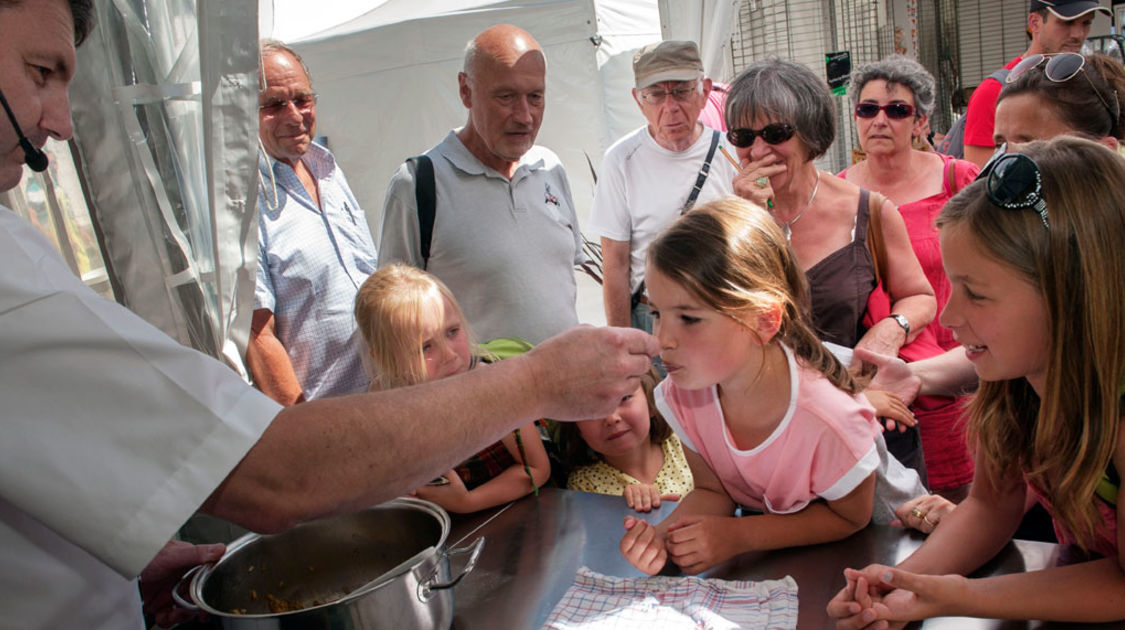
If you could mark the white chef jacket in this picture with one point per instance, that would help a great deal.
(113, 435)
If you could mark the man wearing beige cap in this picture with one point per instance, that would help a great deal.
(655, 173)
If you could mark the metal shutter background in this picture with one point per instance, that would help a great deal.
(992, 33)
(803, 31)
(952, 44)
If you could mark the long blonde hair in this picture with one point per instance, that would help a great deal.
(397, 308)
(733, 257)
(1063, 442)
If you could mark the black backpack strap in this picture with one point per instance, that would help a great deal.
(703, 171)
(425, 195)
(1000, 75)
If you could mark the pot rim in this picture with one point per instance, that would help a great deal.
(203, 572)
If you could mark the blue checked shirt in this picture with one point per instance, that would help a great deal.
(310, 266)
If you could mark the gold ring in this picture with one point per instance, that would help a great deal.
(929, 522)
(918, 513)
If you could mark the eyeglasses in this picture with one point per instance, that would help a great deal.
(275, 106)
(1062, 67)
(896, 111)
(1013, 182)
(773, 133)
(681, 94)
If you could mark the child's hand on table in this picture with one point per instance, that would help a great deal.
(643, 546)
(643, 497)
(697, 542)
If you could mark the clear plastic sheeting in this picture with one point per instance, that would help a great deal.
(165, 118)
(53, 202)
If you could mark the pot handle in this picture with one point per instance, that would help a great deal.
(425, 588)
(180, 601)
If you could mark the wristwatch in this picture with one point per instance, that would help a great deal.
(902, 321)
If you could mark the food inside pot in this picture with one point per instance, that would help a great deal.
(318, 563)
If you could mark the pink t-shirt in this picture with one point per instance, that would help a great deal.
(712, 113)
(824, 446)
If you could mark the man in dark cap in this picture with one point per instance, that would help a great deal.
(1055, 26)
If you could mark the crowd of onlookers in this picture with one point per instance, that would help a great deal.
(927, 339)
(775, 291)
(771, 314)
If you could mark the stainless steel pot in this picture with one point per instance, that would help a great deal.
(382, 568)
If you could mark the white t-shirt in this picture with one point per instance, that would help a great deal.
(113, 435)
(642, 187)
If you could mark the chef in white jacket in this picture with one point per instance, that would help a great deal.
(113, 434)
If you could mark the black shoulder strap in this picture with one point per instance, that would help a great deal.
(703, 171)
(425, 196)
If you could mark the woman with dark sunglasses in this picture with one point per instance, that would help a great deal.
(781, 118)
(893, 98)
(1065, 93)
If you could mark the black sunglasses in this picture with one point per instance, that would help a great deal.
(773, 133)
(1013, 182)
(1060, 68)
(897, 111)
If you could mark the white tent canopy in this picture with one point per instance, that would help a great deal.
(387, 81)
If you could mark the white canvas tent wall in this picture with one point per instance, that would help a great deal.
(387, 81)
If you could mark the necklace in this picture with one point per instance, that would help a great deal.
(787, 226)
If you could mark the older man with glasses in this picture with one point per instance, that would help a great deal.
(656, 173)
(314, 247)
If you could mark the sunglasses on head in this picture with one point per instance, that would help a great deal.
(1013, 182)
(773, 133)
(1060, 68)
(897, 111)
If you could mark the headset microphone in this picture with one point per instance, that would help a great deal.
(35, 158)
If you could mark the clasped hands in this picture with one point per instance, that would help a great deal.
(879, 597)
(693, 542)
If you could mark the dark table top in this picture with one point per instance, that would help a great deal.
(536, 545)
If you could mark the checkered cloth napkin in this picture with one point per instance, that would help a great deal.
(604, 602)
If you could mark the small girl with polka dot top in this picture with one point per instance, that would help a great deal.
(631, 453)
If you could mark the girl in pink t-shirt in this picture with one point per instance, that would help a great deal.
(768, 417)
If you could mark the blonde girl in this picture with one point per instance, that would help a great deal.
(631, 453)
(415, 332)
(769, 418)
(1033, 251)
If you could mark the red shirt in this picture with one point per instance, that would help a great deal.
(980, 118)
